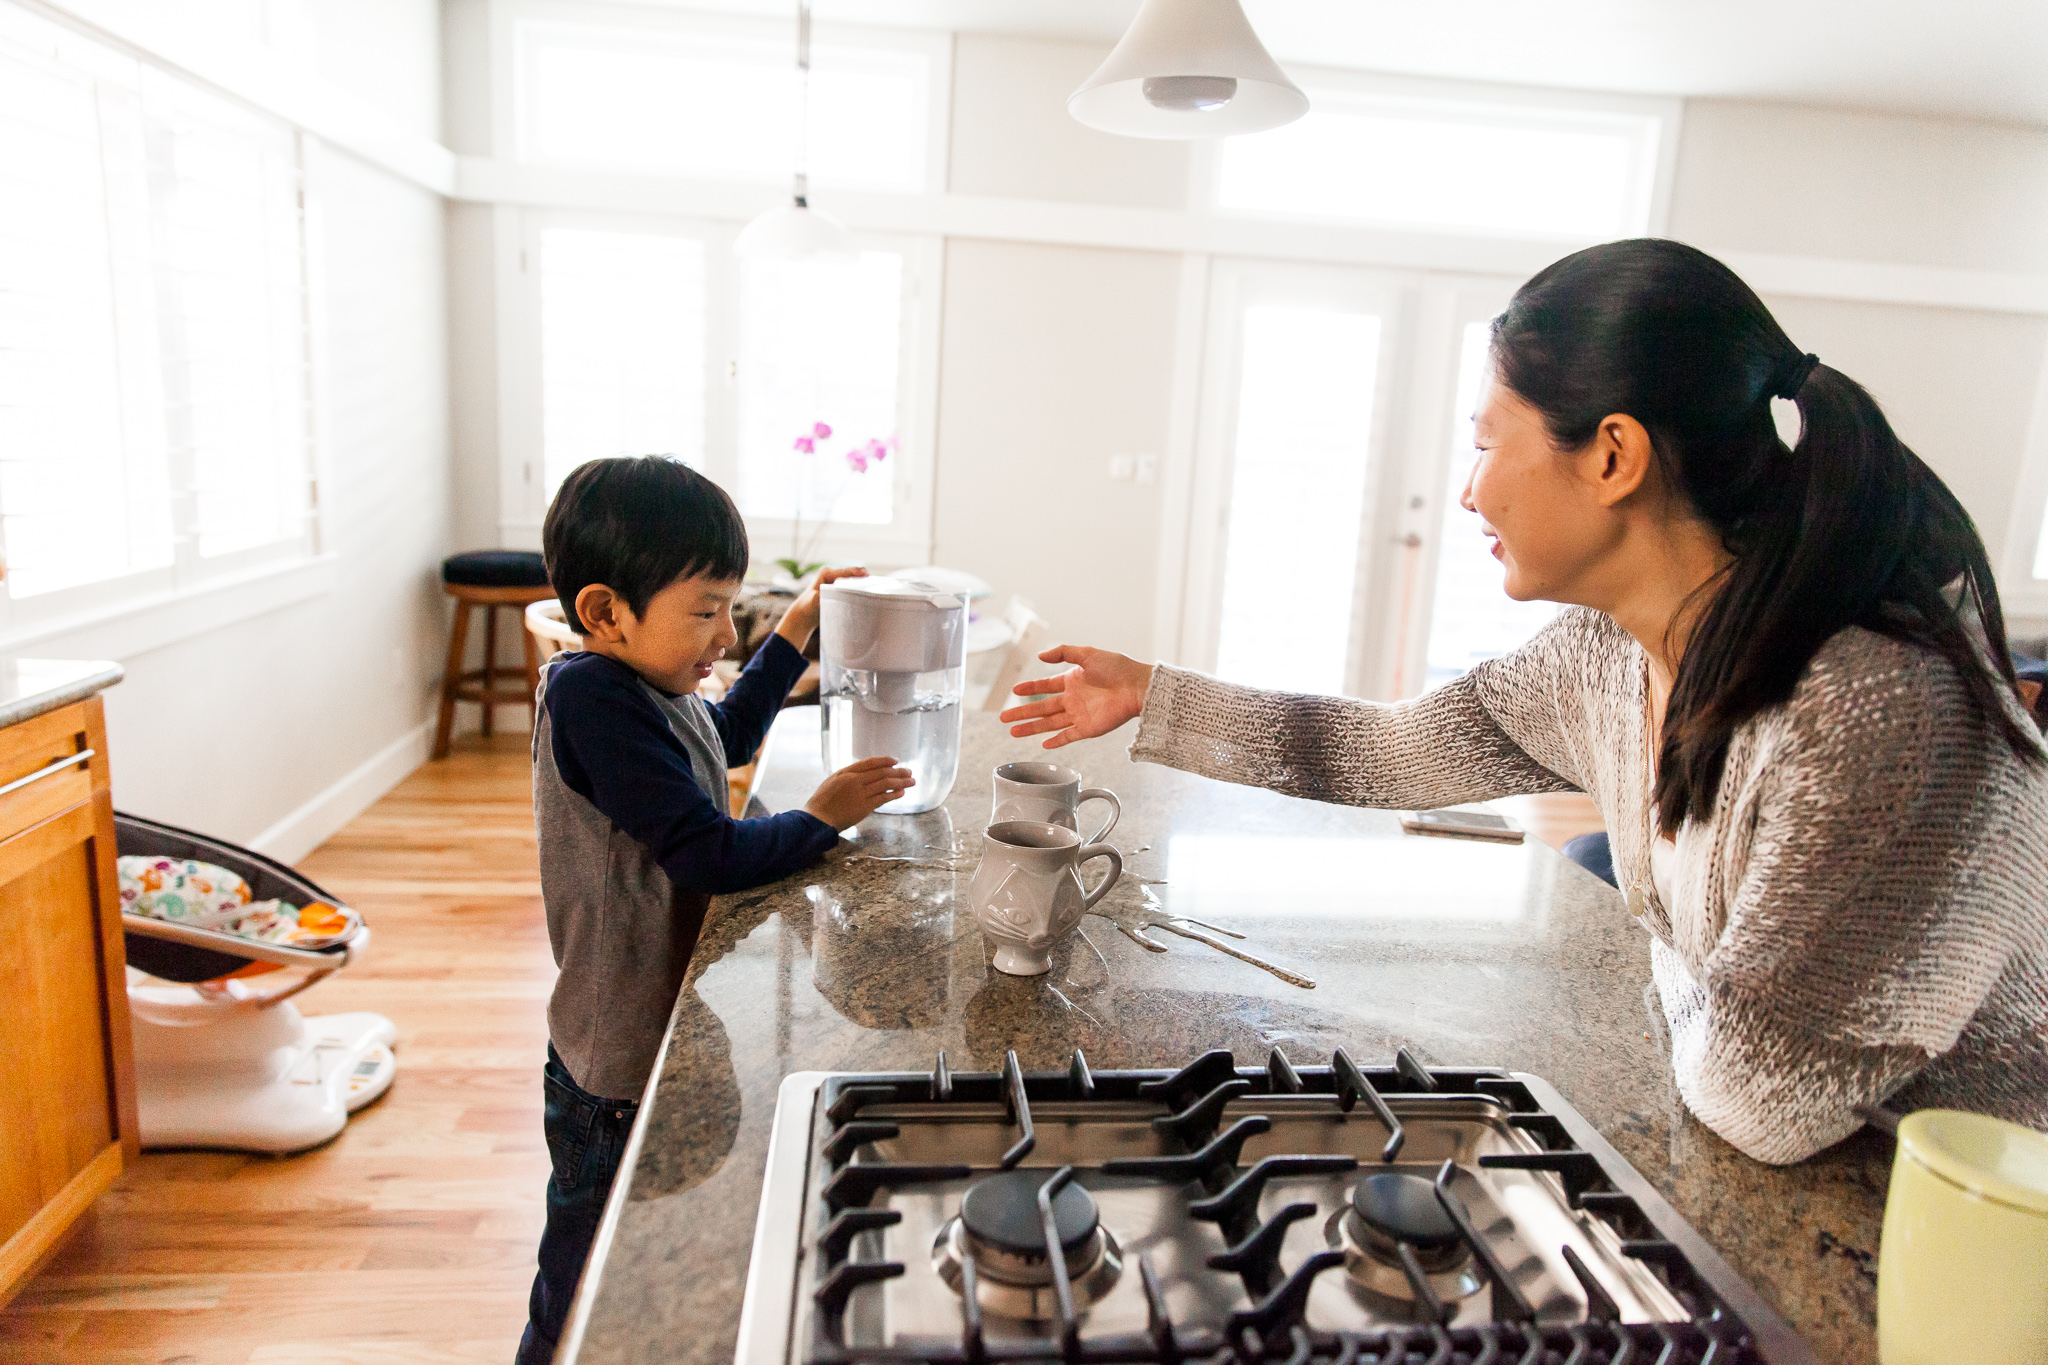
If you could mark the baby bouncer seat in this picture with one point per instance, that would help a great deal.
(222, 1056)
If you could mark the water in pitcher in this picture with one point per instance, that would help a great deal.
(920, 730)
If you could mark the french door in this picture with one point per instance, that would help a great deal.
(1326, 550)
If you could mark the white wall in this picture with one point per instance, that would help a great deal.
(1862, 186)
(286, 725)
(1054, 359)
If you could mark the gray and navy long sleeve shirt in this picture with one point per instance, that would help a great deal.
(629, 802)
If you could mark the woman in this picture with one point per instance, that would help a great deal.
(1785, 685)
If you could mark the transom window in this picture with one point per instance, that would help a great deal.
(1494, 166)
(715, 104)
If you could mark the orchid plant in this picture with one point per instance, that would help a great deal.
(859, 459)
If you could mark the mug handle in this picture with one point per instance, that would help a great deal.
(1116, 870)
(1116, 811)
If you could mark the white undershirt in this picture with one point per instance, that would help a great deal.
(1663, 848)
(1663, 865)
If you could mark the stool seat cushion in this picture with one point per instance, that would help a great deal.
(495, 569)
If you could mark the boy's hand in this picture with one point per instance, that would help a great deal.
(1100, 692)
(852, 794)
(800, 622)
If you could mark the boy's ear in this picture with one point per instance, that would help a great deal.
(601, 611)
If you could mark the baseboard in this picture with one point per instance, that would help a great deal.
(306, 828)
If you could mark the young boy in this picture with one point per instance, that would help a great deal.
(630, 803)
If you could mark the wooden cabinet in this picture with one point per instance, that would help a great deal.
(67, 1080)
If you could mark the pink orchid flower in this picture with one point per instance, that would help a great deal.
(820, 430)
(804, 444)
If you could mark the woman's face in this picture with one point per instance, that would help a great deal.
(1550, 528)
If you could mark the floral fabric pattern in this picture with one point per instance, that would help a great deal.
(206, 896)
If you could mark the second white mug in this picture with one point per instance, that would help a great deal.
(1050, 794)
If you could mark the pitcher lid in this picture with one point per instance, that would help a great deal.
(894, 592)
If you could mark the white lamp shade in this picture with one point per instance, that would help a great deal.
(795, 232)
(1171, 41)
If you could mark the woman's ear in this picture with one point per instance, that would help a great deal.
(602, 611)
(1617, 462)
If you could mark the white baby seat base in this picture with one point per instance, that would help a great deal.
(227, 1061)
(209, 1074)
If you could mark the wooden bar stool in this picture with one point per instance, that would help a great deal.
(489, 579)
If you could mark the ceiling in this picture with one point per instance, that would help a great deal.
(1983, 59)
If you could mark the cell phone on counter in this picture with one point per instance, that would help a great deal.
(1462, 824)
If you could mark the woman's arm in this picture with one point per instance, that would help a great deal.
(1440, 749)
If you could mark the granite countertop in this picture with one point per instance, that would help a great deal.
(1468, 953)
(29, 687)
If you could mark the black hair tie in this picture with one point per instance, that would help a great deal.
(1796, 375)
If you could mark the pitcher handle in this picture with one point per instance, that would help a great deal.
(1116, 812)
(1116, 870)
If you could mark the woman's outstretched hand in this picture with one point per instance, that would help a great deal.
(1098, 693)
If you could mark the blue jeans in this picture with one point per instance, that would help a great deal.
(1595, 854)
(586, 1138)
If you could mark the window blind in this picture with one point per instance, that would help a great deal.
(154, 421)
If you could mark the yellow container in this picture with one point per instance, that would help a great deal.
(1962, 1273)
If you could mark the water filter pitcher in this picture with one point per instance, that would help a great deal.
(894, 664)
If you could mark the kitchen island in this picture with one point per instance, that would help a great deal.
(1467, 953)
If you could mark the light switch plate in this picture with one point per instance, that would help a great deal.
(1122, 468)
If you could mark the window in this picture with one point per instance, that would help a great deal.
(1431, 163)
(720, 104)
(1297, 493)
(154, 422)
(820, 348)
(622, 347)
(1472, 619)
(654, 338)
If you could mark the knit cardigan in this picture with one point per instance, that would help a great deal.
(1863, 918)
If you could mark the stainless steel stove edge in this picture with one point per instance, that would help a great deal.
(1775, 1340)
(777, 1260)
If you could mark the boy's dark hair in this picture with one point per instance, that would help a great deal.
(636, 524)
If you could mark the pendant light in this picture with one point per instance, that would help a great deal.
(797, 231)
(1187, 69)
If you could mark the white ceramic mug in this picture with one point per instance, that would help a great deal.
(1051, 794)
(1962, 1272)
(1027, 892)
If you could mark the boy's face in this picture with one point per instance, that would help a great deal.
(686, 626)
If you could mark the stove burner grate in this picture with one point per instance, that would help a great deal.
(1033, 1249)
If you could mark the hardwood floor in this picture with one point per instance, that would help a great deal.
(409, 1239)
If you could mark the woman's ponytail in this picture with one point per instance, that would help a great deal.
(1847, 528)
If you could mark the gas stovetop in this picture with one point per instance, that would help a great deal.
(1313, 1215)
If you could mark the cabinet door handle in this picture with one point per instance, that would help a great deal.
(39, 774)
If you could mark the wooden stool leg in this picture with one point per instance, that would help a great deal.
(490, 659)
(458, 642)
(532, 674)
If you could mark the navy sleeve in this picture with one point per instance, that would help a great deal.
(756, 695)
(613, 747)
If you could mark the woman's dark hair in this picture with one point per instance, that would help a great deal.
(1848, 528)
(636, 524)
